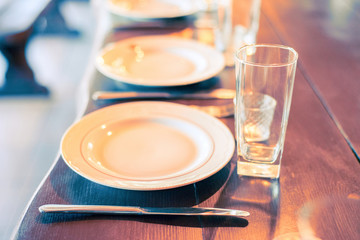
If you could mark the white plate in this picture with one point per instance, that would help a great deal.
(147, 146)
(159, 61)
(153, 9)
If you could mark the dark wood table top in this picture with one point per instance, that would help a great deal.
(320, 172)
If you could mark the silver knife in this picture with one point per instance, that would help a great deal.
(179, 211)
(220, 93)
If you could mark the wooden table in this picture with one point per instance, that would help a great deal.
(320, 165)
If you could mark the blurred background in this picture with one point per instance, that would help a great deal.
(45, 48)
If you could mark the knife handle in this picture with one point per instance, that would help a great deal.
(62, 208)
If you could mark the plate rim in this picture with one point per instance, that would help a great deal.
(112, 8)
(212, 165)
(215, 61)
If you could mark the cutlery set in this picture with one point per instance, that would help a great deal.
(220, 93)
(219, 111)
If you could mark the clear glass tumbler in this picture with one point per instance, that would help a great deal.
(264, 83)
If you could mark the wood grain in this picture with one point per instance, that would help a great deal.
(327, 38)
(317, 163)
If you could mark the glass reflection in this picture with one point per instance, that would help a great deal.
(259, 196)
(331, 217)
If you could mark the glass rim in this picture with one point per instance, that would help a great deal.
(279, 46)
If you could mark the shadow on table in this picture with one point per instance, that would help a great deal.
(107, 84)
(74, 189)
(259, 196)
(183, 221)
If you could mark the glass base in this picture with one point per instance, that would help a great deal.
(254, 169)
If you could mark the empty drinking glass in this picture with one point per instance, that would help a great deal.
(264, 83)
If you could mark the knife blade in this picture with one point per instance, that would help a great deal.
(220, 93)
(125, 210)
